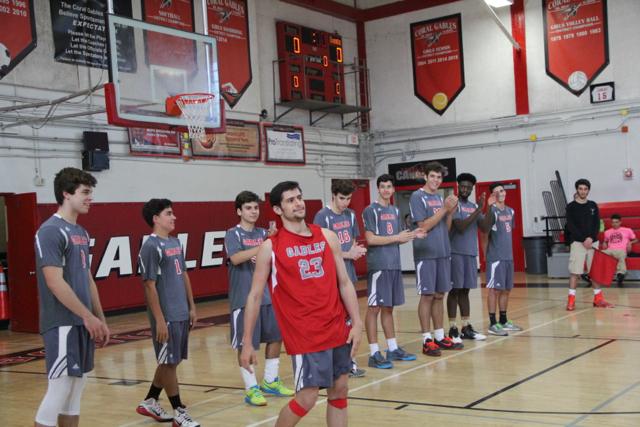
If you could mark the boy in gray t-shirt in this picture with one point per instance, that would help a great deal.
(384, 234)
(498, 223)
(171, 310)
(71, 317)
(241, 244)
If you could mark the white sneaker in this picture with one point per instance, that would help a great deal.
(151, 408)
(182, 419)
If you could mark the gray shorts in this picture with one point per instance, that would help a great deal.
(322, 368)
(385, 288)
(68, 351)
(500, 275)
(177, 348)
(433, 275)
(464, 271)
(266, 328)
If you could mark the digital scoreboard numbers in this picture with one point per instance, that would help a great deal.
(310, 64)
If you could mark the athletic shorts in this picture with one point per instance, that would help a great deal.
(433, 275)
(385, 288)
(322, 368)
(266, 328)
(176, 349)
(68, 351)
(578, 255)
(500, 275)
(464, 271)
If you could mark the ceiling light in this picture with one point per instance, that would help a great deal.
(499, 3)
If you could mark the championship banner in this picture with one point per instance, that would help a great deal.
(79, 32)
(165, 50)
(229, 23)
(284, 144)
(576, 41)
(240, 141)
(154, 141)
(438, 66)
(18, 35)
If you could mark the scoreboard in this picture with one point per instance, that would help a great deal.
(310, 64)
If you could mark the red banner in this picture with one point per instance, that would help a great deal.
(117, 230)
(229, 24)
(438, 66)
(18, 34)
(163, 49)
(576, 41)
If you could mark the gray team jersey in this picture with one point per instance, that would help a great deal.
(161, 260)
(237, 240)
(59, 243)
(345, 226)
(436, 245)
(382, 221)
(465, 243)
(500, 246)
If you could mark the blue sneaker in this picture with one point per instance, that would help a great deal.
(379, 362)
(400, 354)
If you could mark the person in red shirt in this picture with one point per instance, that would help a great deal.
(315, 304)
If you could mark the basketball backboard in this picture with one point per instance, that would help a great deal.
(149, 64)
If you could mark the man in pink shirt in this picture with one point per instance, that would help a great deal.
(617, 243)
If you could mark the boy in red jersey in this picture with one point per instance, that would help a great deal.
(313, 299)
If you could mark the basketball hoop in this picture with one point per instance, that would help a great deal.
(195, 108)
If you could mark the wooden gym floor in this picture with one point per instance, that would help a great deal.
(563, 369)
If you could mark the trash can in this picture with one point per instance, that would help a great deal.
(535, 253)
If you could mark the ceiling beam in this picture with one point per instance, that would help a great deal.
(329, 7)
(398, 8)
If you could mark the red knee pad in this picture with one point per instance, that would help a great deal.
(297, 409)
(338, 403)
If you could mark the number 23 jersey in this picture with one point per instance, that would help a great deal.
(304, 292)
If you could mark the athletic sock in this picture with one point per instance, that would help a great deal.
(572, 292)
(176, 402)
(492, 319)
(439, 334)
(465, 322)
(153, 392)
(373, 348)
(452, 323)
(393, 344)
(503, 317)
(426, 336)
(249, 378)
(597, 291)
(271, 369)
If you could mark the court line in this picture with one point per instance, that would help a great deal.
(438, 360)
(537, 374)
(605, 403)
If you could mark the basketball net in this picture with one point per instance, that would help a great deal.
(195, 109)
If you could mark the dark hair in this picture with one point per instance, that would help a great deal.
(466, 177)
(494, 185)
(583, 181)
(246, 197)
(154, 207)
(275, 197)
(68, 180)
(616, 216)
(384, 178)
(433, 167)
(342, 186)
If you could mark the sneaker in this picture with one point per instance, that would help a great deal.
(151, 408)
(276, 388)
(183, 419)
(356, 372)
(430, 348)
(468, 333)
(510, 326)
(571, 303)
(447, 344)
(400, 354)
(254, 397)
(379, 362)
(620, 280)
(497, 329)
(455, 335)
(600, 302)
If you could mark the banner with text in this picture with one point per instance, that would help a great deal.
(18, 35)
(407, 173)
(240, 141)
(438, 66)
(284, 144)
(154, 141)
(576, 41)
(162, 49)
